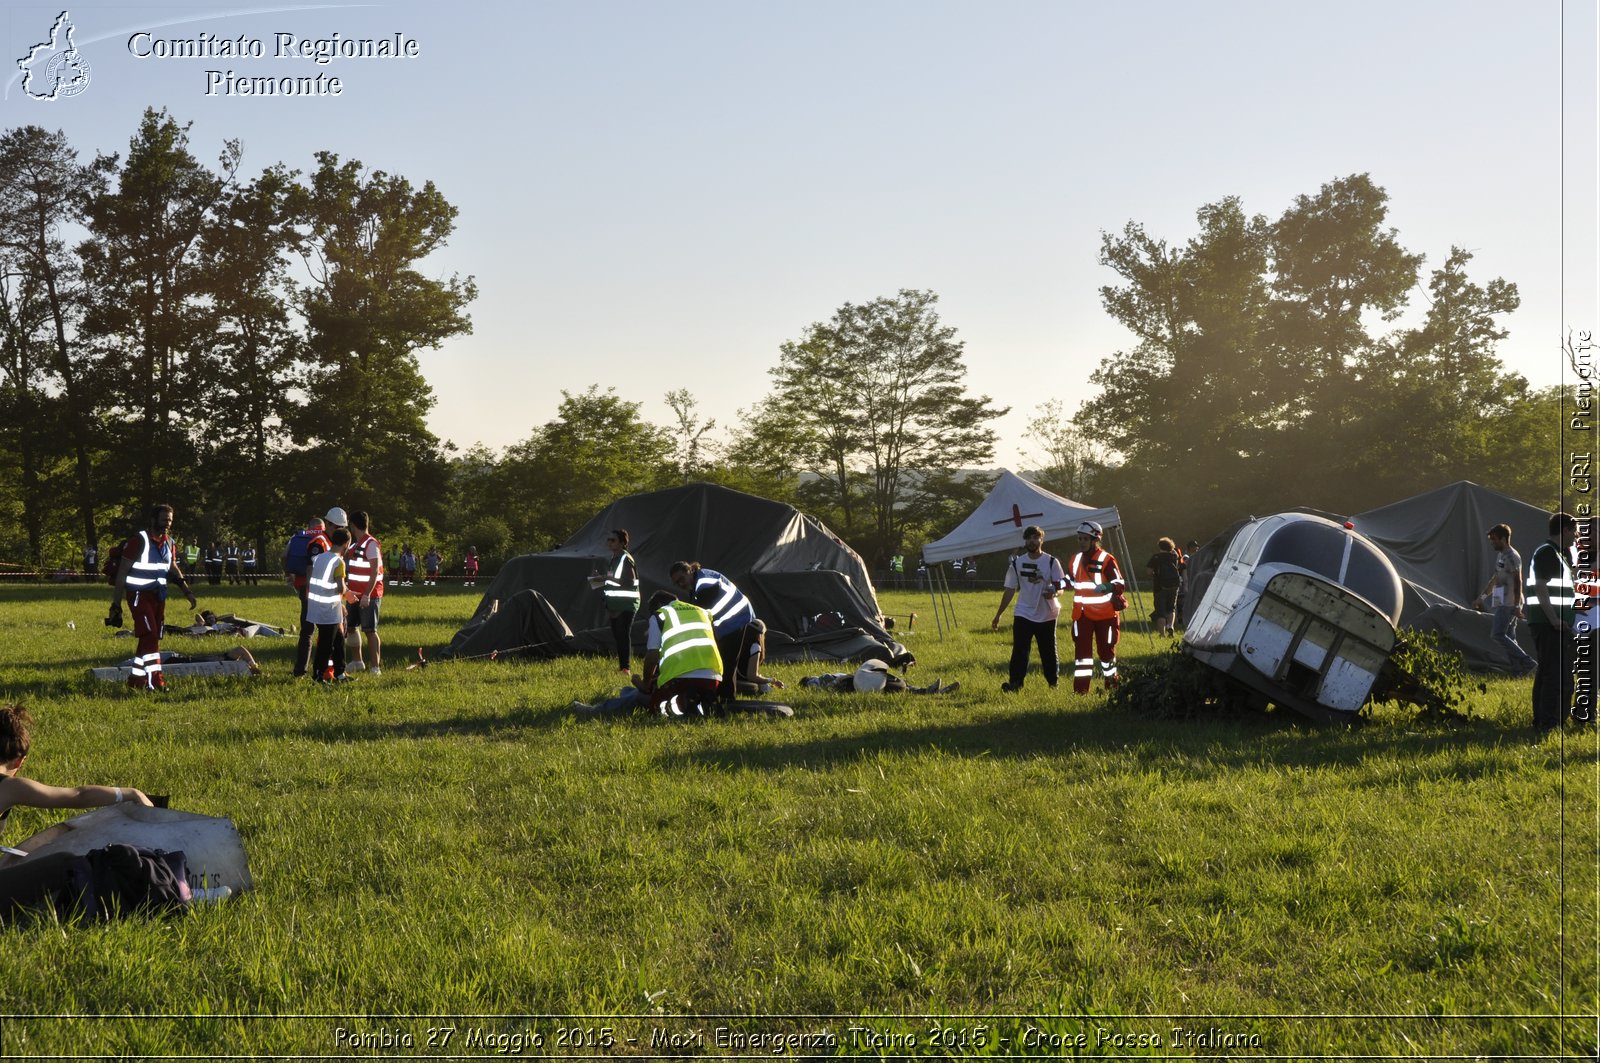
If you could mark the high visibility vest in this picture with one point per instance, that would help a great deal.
(191, 554)
(150, 565)
(1560, 590)
(730, 610)
(688, 643)
(897, 563)
(324, 605)
(621, 599)
(363, 573)
(1096, 581)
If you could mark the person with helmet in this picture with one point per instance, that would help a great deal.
(731, 612)
(619, 583)
(363, 593)
(147, 564)
(1098, 596)
(682, 668)
(1034, 578)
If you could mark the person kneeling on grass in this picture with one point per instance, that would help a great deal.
(16, 727)
(682, 668)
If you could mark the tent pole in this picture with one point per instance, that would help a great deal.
(1132, 580)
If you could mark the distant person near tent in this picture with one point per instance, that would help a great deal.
(1503, 597)
(1166, 568)
(1098, 597)
(141, 579)
(1551, 596)
(731, 612)
(431, 563)
(1034, 578)
(469, 567)
(618, 582)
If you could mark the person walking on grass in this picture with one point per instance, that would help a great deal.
(1503, 597)
(147, 565)
(1034, 578)
(364, 593)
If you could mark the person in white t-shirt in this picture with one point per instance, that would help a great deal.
(1503, 596)
(1034, 578)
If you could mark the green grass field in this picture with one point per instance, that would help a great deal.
(449, 863)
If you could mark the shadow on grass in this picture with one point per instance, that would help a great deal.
(509, 725)
(1187, 749)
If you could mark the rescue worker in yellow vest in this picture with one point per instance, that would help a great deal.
(1098, 596)
(619, 582)
(682, 668)
(147, 563)
(1549, 600)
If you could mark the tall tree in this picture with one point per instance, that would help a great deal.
(597, 449)
(368, 310)
(879, 391)
(42, 194)
(256, 352)
(144, 267)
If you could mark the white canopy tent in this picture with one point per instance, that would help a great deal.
(1013, 504)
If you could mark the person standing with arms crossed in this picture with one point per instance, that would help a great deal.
(1034, 578)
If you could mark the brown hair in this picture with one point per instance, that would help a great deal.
(621, 535)
(1166, 545)
(16, 727)
(691, 567)
(1501, 531)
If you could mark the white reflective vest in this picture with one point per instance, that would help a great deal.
(324, 603)
(1560, 589)
(620, 598)
(730, 610)
(150, 566)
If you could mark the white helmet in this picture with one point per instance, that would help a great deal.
(872, 677)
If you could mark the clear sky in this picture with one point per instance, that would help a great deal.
(656, 195)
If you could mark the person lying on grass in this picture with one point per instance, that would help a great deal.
(15, 731)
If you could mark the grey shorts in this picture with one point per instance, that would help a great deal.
(361, 616)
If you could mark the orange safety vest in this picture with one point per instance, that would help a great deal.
(360, 572)
(1089, 572)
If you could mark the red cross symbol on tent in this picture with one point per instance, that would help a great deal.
(1017, 516)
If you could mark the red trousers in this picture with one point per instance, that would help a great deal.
(1088, 636)
(148, 612)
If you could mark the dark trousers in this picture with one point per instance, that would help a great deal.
(732, 647)
(622, 634)
(1024, 633)
(302, 649)
(330, 652)
(1552, 678)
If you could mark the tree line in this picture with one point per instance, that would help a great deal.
(241, 347)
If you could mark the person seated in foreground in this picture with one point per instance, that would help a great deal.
(16, 728)
(682, 668)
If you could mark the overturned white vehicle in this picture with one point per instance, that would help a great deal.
(1303, 611)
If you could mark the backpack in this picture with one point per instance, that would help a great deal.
(297, 555)
(113, 563)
